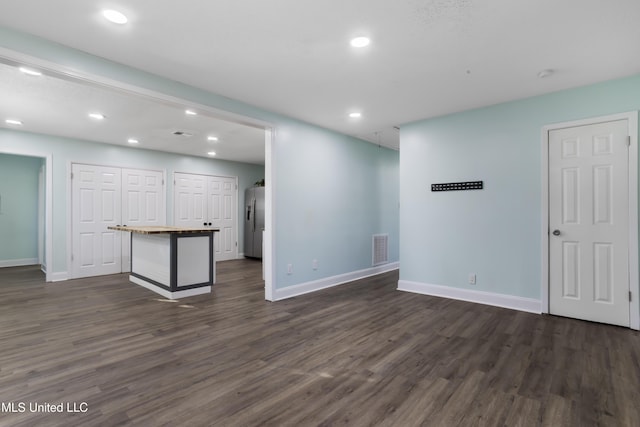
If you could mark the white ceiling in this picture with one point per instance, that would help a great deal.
(59, 105)
(426, 58)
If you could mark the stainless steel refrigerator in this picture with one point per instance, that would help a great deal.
(253, 221)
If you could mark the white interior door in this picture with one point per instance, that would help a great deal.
(588, 222)
(222, 213)
(189, 200)
(143, 203)
(96, 204)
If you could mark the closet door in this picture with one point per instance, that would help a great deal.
(96, 205)
(222, 213)
(143, 203)
(189, 200)
(211, 201)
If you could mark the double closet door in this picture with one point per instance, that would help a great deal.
(210, 201)
(103, 196)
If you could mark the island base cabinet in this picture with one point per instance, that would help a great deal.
(174, 265)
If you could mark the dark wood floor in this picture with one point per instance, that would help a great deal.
(358, 354)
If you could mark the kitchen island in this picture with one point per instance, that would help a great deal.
(175, 262)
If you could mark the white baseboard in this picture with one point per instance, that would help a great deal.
(60, 276)
(328, 282)
(499, 300)
(18, 262)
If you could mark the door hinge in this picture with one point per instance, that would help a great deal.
(71, 175)
(630, 296)
(163, 182)
(628, 140)
(71, 257)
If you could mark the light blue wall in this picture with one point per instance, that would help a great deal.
(19, 207)
(337, 193)
(495, 232)
(65, 151)
(341, 220)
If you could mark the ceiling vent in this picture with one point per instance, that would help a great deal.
(182, 133)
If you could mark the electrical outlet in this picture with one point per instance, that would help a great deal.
(472, 278)
(289, 268)
(314, 264)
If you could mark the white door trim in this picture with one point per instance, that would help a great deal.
(634, 285)
(268, 242)
(48, 208)
(237, 213)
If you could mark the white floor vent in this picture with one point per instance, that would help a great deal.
(380, 249)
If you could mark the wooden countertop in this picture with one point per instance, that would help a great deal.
(154, 229)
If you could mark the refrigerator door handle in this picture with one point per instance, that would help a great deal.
(253, 223)
(248, 212)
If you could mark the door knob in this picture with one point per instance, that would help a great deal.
(556, 232)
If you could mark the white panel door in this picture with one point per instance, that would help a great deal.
(222, 213)
(588, 222)
(189, 200)
(96, 204)
(143, 203)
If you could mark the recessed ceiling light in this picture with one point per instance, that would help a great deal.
(190, 113)
(97, 116)
(212, 138)
(30, 72)
(360, 41)
(132, 141)
(115, 16)
(211, 153)
(355, 115)
(13, 122)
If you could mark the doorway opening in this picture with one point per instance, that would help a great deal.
(25, 210)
